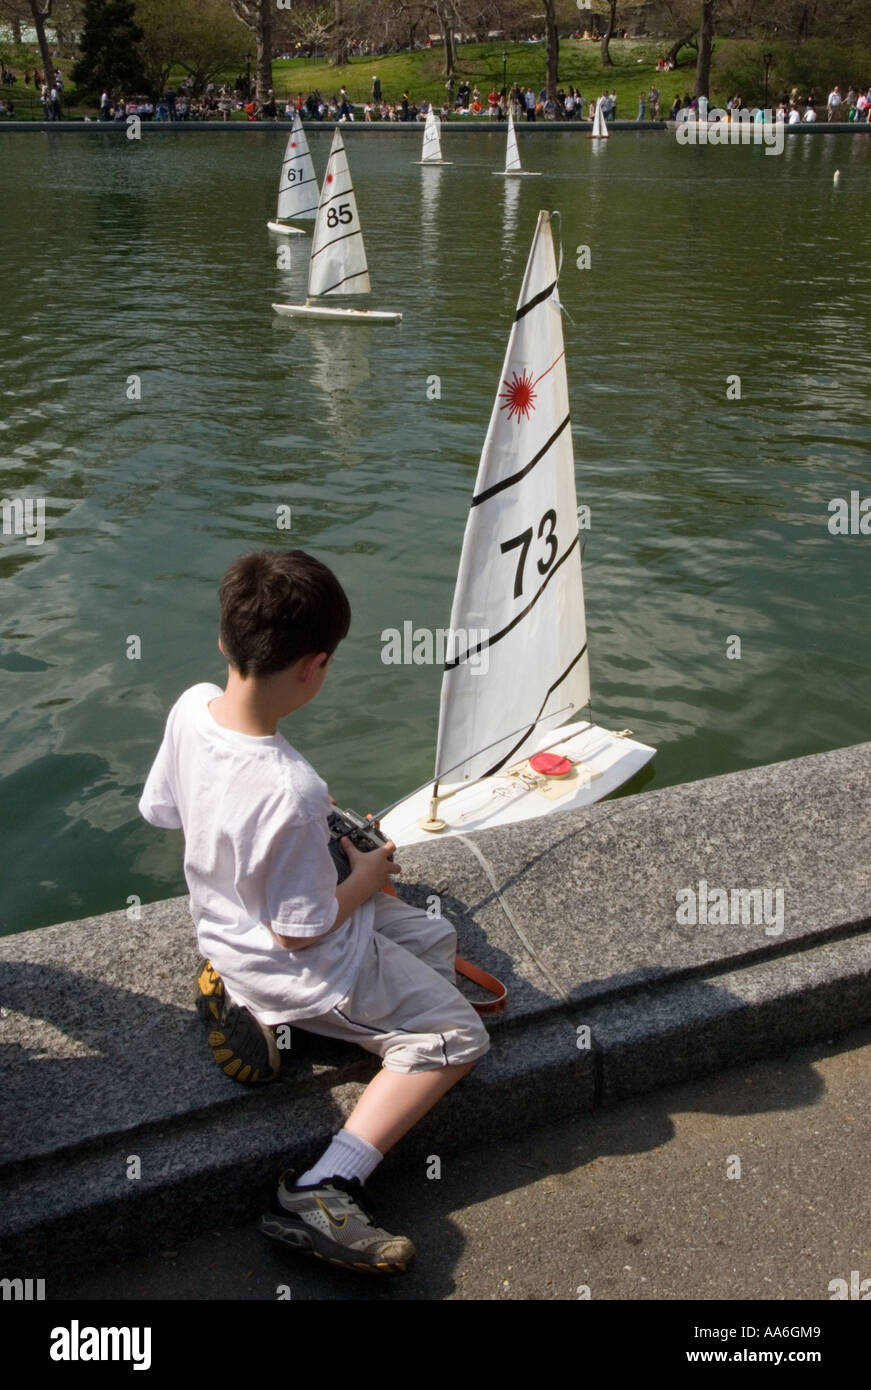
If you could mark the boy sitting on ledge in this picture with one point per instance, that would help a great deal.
(290, 945)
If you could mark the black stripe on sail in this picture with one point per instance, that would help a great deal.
(536, 299)
(332, 289)
(509, 627)
(333, 240)
(333, 196)
(516, 477)
(491, 772)
(298, 183)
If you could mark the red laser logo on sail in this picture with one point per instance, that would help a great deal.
(519, 395)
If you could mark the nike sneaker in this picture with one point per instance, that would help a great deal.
(242, 1047)
(333, 1220)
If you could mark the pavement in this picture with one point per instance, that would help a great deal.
(635, 1202)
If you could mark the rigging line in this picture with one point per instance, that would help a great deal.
(491, 641)
(549, 369)
(562, 308)
(521, 934)
(447, 772)
(516, 477)
(538, 718)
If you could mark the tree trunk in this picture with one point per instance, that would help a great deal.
(607, 61)
(16, 28)
(340, 38)
(446, 24)
(676, 48)
(256, 15)
(552, 48)
(706, 48)
(40, 15)
(263, 34)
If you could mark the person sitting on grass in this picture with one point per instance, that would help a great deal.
(285, 942)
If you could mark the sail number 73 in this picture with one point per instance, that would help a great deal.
(546, 533)
(341, 214)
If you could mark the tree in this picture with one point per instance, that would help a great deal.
(110, 59)
(607, 60)
(40, 11)
(256, 15)
(445, 14)
(15, 13)
(199, 35)
(706, 48)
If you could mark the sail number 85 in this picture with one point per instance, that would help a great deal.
(546, 533)
(341, 214)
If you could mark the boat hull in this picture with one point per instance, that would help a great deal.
(284, 229)
(321, 311)
(604, 761)
(433, 163)
(516, 173)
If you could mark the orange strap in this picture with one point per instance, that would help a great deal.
(477, 976)
(488, 982)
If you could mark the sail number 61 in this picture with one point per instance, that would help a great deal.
(343, 214)
(547, 533)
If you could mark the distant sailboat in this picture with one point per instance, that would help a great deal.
(432, 140)
(338, 256)
(600, 125)
(516, 664)
(298, 185)
(512, 157)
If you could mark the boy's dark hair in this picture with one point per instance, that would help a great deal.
(278, 606)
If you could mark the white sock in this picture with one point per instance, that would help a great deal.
(348, 1156)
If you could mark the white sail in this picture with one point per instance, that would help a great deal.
(512, 154)
(600, 125)
(298, 185)
(518, 661)
(338, 256)
(432, 139)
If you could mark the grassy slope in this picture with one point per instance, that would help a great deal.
(421, 73)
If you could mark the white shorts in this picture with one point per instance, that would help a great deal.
(404, 1004)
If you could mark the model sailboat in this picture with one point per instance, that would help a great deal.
(516, 666)
(600, 125)
(338, 256)
(512, 156)
(298, 185)
(432, 140)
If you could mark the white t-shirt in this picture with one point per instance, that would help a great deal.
(254, 816)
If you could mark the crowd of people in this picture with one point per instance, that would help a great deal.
(220, 103)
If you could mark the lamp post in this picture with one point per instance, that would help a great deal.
(504, 71)
(768, 59)
(248, 76)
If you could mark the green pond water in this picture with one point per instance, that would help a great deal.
(709, 515)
